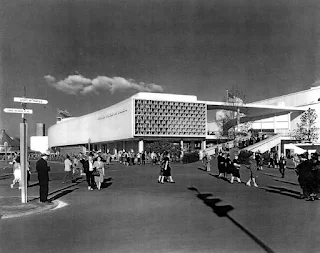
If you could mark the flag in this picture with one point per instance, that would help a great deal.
(63, 113)
(230, 95)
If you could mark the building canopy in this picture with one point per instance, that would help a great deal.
(253, 112)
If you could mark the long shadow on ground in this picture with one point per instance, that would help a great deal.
(223, 210)
(282, 191)
(63, 193)
(286, 182)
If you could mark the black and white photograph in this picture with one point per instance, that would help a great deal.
(156, 126)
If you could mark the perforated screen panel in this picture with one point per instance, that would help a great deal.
(169, 118)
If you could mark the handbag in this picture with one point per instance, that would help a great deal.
(96, 173)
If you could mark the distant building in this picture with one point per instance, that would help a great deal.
(147, 117)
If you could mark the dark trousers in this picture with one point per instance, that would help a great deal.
(44, 189)
(282, 170)
(90, 178)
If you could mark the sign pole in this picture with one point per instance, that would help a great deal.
(23, 157)
(23, 160)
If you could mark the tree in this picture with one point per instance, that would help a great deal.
(235, 97)
(164, 145)
(307, 129)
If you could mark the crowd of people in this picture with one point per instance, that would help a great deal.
(93, 166)
(229, 168)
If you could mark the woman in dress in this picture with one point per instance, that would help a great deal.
(16, 172)
(235, 173)
(208, 163)
(252, 166)
(166, 168)
(99, 166)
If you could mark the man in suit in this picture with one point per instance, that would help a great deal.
(43, 177)
(88, 169)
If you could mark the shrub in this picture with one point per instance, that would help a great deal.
(164, 145)
(244, 156)
(190, 157)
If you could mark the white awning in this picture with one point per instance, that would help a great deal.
(296, 149)
(253, 112)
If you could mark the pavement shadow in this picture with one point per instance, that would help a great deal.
(61, 194)
(199, 168)
(6, 176)
(221, 178)
(270, 175)
(286, 182)
(105, 184)
(33, 185)
(223, 211)
(282, 191)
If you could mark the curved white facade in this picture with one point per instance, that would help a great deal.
(112, 123)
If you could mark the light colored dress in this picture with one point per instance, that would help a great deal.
(99, 167)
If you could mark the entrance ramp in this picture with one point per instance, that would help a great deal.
(268, 143)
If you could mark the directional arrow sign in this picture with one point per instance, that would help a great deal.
(16, 110)
(30, 100)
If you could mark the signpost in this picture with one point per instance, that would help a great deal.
(17, 110)
(30, 100)
(23, 139)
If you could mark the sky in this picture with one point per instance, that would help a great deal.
(87, 55)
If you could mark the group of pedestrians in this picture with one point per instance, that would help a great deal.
(226, 167)
(132, 158)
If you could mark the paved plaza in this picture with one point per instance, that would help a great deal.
(199, 213)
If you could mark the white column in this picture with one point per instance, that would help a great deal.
(181, 144)
(203, 145)
(141, 146)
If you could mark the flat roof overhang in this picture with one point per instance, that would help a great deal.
(253, 112)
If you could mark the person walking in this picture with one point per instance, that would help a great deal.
(204, 160)
(153, 158)
(108, 158)
(221, 165)
(282, 164)
(43, 177)
(139, 158)
(208, 163)
(235, 172)
(228, 165)
(16, 172)
(143, 157)
(67, 170)
(252, 167)
(88, 169)
(99, 167)
(166, 168)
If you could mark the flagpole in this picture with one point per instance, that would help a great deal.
(227, 96)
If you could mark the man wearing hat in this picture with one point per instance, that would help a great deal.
(43, 177)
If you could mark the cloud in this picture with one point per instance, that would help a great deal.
(316, 83)
(75, 84)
